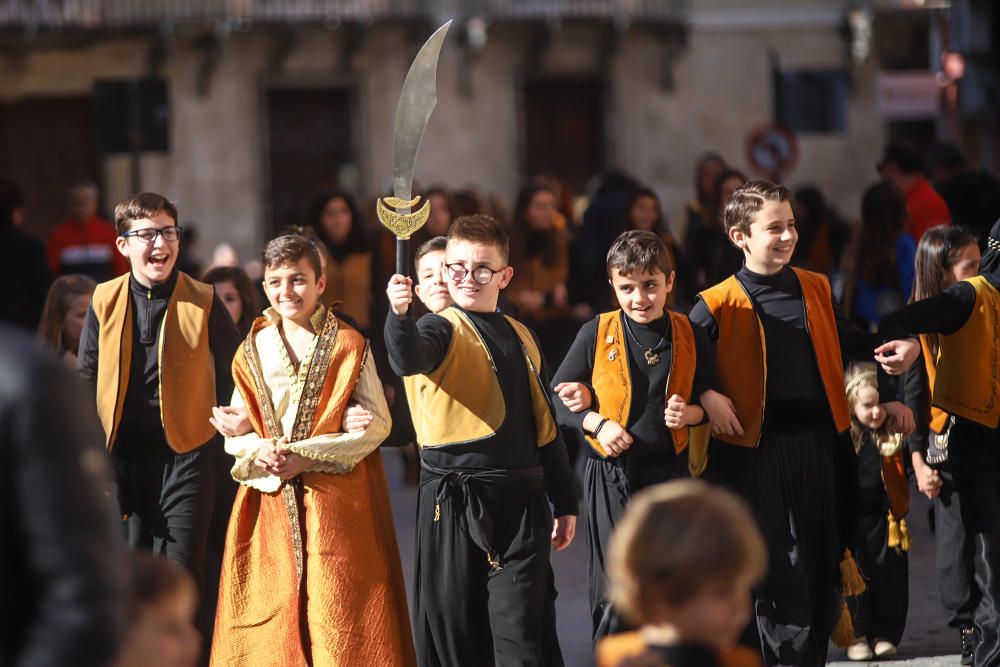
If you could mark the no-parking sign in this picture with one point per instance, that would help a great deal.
(772, 150)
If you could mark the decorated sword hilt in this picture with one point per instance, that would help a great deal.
(394, 213)
(403, 225)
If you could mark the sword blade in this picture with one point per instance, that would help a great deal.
(416, 102)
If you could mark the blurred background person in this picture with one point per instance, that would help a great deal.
(62, 319)
(23, 267)
(84, 242)
(882, 269)
(348, 256)
(903, 165)
(237, 294)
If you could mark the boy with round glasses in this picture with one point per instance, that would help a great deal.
(492, 459)
(157, 346)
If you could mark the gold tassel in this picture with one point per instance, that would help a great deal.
(894, 537)
(843, 634)
(905, 542)
(851, 581)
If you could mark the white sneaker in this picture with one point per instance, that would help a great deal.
(860, 650)
(884, 649)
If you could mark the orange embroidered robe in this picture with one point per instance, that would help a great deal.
(311, 572)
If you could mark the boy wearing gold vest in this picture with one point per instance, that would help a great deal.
(491, 459)
(311, 554)
(780, 344)
(157, 346)
(647, 366)
(966, 317)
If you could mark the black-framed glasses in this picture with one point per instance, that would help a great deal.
(481, 275)
(149, 234)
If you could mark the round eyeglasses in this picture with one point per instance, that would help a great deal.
(481, 275)
(149, 234)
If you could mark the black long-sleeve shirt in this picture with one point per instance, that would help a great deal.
(945, 314)
(141, 408)
(650, 434)
(795, 392)
(418, 347)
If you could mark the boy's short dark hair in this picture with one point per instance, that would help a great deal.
(289, 249)
(481, 228)
(677, 539)
(141, 206)
(639, 251)
(436, 244)
(749, 199)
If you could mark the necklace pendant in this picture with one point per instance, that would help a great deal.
(652, 358)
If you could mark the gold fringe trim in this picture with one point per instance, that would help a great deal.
(843, 634)
(899, 534)
(851, 581)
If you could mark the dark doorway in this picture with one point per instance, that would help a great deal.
(564, 128)
(46, 145)
(310, 148)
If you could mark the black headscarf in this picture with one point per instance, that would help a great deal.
(989, 265)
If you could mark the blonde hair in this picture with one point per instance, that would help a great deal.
(57, 305)
(857, 376)
(674, 540)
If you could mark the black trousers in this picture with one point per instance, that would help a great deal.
(974, 454)
(879, 612)
(955, 548)
(166, 500)
(465, 610)
(790, 482)
(608, 485)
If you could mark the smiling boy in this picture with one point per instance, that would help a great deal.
(780, 344)
(646, 365)
(311, 552)
(157, 346)
(490, 450)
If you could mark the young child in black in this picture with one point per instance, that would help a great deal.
(966, 317)
(645, 367)
(881, 538)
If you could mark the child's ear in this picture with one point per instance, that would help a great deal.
(738, 238)
(321, 284)
(122, 244)
(506, 275)
(670, 281)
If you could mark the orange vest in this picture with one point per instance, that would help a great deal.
(613, 650)
(968, 377)
(611, 378)
(938, 416)
(186, 368)
(742, 364)
(341, 375)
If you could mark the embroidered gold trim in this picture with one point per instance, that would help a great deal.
(274, 430)
(315, 377)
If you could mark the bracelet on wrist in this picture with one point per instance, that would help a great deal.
(600, 425)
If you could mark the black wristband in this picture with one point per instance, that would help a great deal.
(604, 420)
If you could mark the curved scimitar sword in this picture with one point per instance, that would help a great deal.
(416, 103)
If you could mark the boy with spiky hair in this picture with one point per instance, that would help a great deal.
(780, 343)
(646, 366)
(491, 459)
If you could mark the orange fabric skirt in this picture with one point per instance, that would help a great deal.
(349, 608)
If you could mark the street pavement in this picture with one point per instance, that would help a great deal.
(927, 642)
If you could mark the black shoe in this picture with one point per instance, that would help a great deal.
(968, 635)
